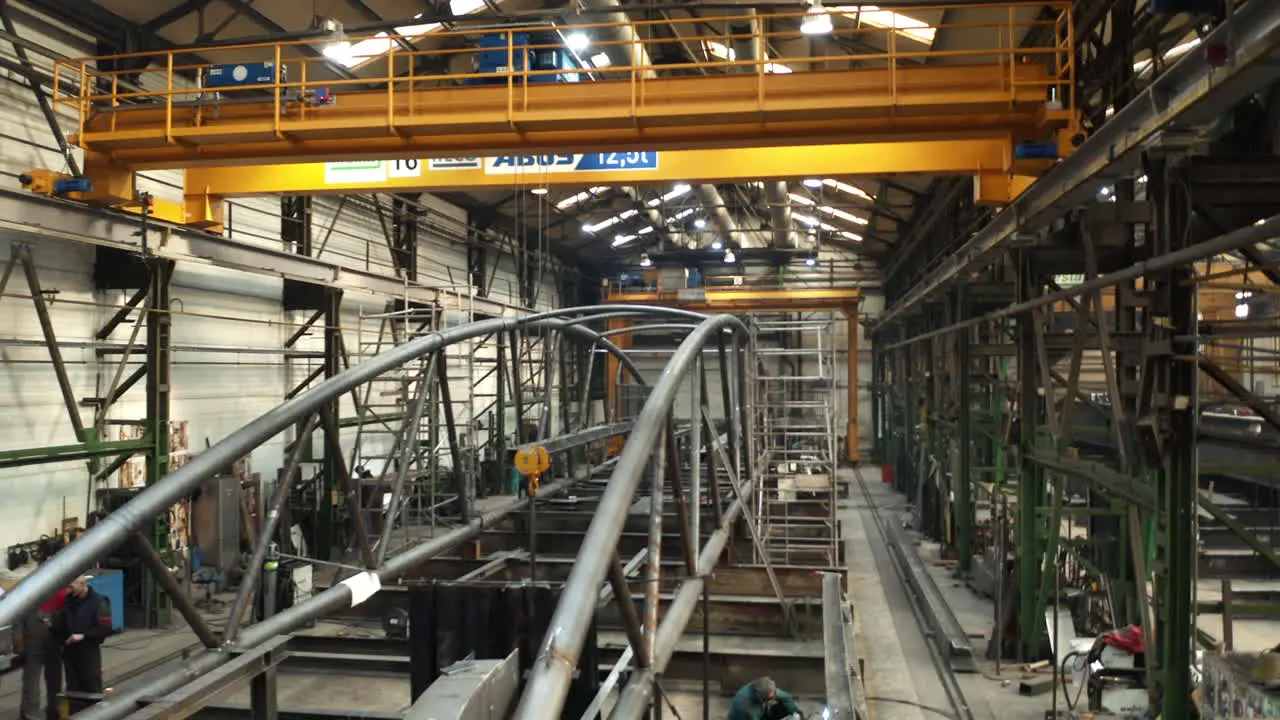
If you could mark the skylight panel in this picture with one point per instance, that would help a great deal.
(350, 55)
(723, 52)
(904, 25)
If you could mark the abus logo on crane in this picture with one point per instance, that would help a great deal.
(511, 164)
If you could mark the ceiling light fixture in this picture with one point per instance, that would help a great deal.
(338, 49)
(817, 21)
(716, 244)
(601, 60)
(813, 183)
(644, 260)
(577, 41)
(700, 223)
(811, 260)
(539, 191)
(729, 257)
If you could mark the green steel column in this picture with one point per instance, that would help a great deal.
(329, 543)
(1178, 492)
(912, 415)
(1030, 475)
(877, 411)
(158, 383)
(499, 439)
(964, 436)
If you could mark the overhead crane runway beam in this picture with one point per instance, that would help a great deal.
(665, 113)
(989, 153)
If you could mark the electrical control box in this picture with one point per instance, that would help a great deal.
(221, 77)
(497, 57)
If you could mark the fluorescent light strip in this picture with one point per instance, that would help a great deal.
(837, 213)
(580, 197)
(801, 199)
(847, 188)
(681, 215)
(602, 225)
(677, 191)
(1177, 51)
(622, 240)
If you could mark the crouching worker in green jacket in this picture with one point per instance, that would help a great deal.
(761, 699)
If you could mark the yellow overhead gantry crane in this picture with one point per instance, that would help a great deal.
(754, 300)
(829, 112)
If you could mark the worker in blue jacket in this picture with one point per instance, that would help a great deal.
(761, 699)
(85, 621)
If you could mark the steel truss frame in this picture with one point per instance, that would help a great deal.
(652, 450)
(1104, 405)
(308, 409)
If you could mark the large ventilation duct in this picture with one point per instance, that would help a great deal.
(658, 222)
(749, 48)
(623, 32)
(710, 197)
(784, 233)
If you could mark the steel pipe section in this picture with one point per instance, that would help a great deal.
(117, 527)
(558, 656)
(166, 679)
(637, 695)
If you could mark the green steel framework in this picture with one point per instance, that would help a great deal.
(982, 398)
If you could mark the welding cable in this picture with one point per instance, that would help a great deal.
(1062, 674)
(912, 703)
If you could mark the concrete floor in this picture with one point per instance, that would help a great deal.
(900, 678)
(901, 682)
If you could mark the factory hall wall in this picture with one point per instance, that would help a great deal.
(229, 327)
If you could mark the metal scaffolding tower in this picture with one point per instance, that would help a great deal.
(794, 380)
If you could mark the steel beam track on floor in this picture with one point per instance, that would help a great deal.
(944, 629)
(940, 646)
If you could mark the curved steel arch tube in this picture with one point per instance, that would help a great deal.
(117, 527)
(558, 656)
(655, 327)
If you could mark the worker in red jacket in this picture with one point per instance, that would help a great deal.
(84, 623)
(41, 658)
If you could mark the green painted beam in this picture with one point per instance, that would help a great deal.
(1240, 531)
(67, 453)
